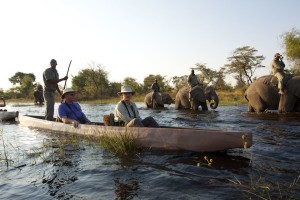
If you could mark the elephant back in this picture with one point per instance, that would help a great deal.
(268, 80)
(157, 98)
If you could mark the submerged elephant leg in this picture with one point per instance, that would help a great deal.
(204, 106)
(250, 108)
(259, 105)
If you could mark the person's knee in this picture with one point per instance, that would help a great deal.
(135, 123)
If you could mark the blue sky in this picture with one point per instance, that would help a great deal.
(135, 38)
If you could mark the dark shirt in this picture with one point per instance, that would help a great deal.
(155, 87)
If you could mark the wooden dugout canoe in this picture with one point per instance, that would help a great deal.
(172, 138)
(8, 116)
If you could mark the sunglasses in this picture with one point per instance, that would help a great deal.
(71, 94)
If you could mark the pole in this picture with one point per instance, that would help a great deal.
(57, 118)
(67, 74)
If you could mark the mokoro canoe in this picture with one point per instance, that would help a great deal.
(175, 138)
(8, 116)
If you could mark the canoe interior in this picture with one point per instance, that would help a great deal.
(102, 124)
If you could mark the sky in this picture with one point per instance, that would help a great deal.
(136, 38)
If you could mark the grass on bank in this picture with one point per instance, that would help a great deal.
(226, 98)
(231, 98)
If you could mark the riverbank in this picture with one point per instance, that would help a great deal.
(227, 98)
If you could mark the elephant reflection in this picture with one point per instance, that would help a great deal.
(38, 95)
(199, 95)
(159, 99)
(262, 94)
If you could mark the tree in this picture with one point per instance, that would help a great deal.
(243, 64)
(291, 43)
(207, 75)
(179, 81)
(135, 86)
(18, 78)
(161, 80)
(211, 77)
(27, 87)
(114, 88)
(92, 82)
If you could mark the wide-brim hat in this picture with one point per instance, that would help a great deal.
(67, 90)
(126, 89)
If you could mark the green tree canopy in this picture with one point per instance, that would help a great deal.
(18, 78)
(243, 64)
(149, 80)
(135, 86)
(291, 43)
(27, 87)
(115, 87)
(92, 82)
(179, 81)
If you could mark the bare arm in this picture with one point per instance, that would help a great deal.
(66, 120)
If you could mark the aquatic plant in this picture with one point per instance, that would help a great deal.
(119, 144)
(267, 190)
(209, 162)
(245, 143)
(4, 155)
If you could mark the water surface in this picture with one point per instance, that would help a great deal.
(35, 169)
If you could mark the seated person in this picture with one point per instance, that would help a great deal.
(277, 66)
(126, 111)
(192, 82)
(155, 89)
(70, 111)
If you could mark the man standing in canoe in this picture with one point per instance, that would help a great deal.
(51, 80)
(127, 112)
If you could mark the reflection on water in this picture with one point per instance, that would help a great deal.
(46, 165)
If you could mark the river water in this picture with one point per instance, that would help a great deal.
(31, 165)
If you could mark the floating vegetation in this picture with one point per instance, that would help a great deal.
(209, 162)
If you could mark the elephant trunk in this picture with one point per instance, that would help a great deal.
(214, 102)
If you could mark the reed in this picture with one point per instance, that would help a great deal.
(5, 158)
(267, 190)
(119, 144)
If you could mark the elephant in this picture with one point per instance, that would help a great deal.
(38, 95)
(160, 98)
(262, 95)
(4, 104)
(199, 95)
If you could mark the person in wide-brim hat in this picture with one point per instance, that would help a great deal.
(69, 111)
(126, 112)
(126, 89)
(67, 90)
